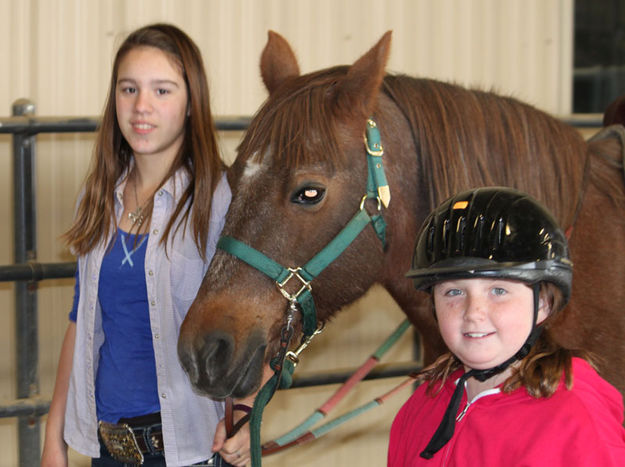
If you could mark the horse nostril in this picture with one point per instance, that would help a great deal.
(216, 354)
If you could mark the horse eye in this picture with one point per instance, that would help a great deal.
(308, 195)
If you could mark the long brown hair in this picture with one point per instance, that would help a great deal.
(540, 371)
(198, 155)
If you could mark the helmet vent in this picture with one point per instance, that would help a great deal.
(500, 234)
(446, 240)
(431, 232)
(478, 233)
(462, 224)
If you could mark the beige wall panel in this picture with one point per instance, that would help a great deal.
(59, 54)
(59, 51)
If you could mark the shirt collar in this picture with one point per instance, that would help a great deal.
(174, 186)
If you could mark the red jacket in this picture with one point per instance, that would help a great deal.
(580, 427)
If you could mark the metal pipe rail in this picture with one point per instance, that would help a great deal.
(26, 125)
(36, 406)
(33, 271)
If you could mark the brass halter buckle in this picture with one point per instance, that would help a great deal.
(293, 272)
(121, 443)
(293, 355)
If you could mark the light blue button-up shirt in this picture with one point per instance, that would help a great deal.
(189, 419)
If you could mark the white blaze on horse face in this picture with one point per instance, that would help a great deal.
(251, 169)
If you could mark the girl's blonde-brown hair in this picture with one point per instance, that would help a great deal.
(198, 155)
(540, 371)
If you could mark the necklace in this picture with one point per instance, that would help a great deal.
(137, 216)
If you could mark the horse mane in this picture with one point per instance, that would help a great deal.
(469, 138)
(464, 138)
(296, 124)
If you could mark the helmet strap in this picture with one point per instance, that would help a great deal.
(445, 430)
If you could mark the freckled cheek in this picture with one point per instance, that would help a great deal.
(448, 320)
(449, 309)
(451, 334)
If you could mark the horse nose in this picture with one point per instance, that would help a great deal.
(208, 359)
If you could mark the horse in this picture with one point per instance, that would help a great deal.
(300, 174)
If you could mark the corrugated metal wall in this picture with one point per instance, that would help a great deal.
(58, 53)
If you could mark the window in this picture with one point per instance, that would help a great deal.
(599, 54)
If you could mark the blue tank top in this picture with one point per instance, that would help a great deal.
(126, 384)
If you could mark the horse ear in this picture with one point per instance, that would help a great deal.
(361, 85)
(277, 62)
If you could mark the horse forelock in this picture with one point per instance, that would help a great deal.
(469, 138)
(297, 125)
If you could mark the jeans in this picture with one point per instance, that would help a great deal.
(105, 460)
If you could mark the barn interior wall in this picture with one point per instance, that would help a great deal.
(58, 53)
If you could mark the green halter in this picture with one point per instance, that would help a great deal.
(377, 188)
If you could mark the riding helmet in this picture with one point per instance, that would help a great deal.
(491, 232)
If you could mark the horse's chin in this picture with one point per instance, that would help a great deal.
(243, 381)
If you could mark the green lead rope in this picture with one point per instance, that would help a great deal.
(282, 378)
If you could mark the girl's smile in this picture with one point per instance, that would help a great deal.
(477, 335)
(142, 128)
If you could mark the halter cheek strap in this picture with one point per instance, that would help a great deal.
(445, 430)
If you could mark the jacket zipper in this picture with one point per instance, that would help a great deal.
(463, 413)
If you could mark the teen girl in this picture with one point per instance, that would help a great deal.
(145, 230)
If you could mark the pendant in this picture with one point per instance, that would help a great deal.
(136, 216)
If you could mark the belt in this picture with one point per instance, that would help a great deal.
(132, 438)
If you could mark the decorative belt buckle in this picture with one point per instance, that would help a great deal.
(120, 441)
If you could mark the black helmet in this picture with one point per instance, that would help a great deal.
(491, 232)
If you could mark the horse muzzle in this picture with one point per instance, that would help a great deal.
(217, 369)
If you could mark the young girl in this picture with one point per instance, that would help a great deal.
(498, 269)
(145, 230)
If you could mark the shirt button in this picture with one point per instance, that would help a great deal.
(150, 273)
(155, 231)
(164, 396)
(160, 193)
(153, 302)
(156, 336)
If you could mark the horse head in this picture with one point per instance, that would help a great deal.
(299, 177)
